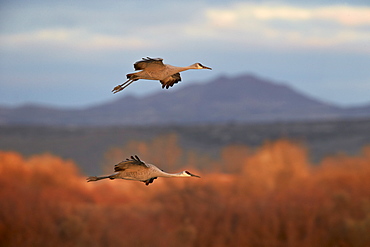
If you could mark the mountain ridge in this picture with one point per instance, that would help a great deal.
(243, 98)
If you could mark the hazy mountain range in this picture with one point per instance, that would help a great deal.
(244, 98)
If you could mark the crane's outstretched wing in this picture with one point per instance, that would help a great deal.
(130, 164)
(171, 80)
(149, 63)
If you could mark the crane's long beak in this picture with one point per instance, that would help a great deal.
(193, 175)
(205, 67)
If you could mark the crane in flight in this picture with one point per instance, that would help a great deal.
(155, 69)
(138, 170)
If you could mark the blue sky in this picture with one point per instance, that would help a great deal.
(72, 53)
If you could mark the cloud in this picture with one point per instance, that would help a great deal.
(242, 25)
(286, 26)
(77, 39)
(345, 15)
(125, 26)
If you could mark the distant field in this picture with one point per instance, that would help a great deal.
(88, 145)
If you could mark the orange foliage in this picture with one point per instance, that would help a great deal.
(271, 196)
(276, 164)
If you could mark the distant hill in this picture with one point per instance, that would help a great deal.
(244, 98)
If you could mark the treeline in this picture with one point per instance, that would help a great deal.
(270, 196)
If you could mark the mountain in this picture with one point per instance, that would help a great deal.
(244, 98)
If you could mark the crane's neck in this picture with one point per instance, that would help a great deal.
(180, 69)
(160, 173)
(172, 175)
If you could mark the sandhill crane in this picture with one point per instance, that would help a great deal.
(136, 169)
(155, 69)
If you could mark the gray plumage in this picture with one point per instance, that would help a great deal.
(136, 169)
(155, 69)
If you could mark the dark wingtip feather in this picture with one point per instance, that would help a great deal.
(137, 158)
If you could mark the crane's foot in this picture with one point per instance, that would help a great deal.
(117, 89)
(123, 86)
(93, 178)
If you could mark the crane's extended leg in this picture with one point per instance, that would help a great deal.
(118, 88)
(96, 178)
(126, 85)
(122, 86)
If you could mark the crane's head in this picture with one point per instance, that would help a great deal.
(188, 174)
(200, 66)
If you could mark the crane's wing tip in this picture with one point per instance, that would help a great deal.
(135, 157)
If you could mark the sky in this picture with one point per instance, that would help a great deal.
(72, 53)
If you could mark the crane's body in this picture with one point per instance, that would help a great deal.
(155, 69)
(138, 170)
